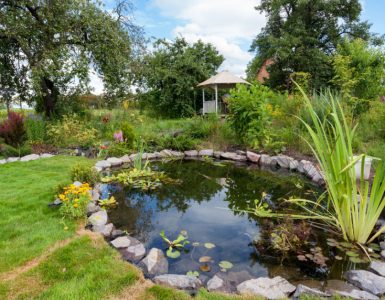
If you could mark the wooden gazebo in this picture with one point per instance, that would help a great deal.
(223, 80)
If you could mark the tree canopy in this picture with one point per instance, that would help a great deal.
(58, 41)
(301, 35)
(171, 73)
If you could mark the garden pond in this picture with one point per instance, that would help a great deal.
(207, 202)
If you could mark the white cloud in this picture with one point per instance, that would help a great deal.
(227, 24)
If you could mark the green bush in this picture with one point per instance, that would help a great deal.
(36, 130)
(84, 174)
(118, 149)
(248, 113)
(128, 134)
(9, 151)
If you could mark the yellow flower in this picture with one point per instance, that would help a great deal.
(76, 205)
(76, 200)
(62, 197)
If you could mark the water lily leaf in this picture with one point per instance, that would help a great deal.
(196, 244)
(205, 259)
(352, 253)
(172, 253)
(356, 260)
(205, 268)
(347, 245)
(209, 245)
(193, 273)
(224, 264)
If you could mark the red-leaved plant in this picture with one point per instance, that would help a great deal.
(12, 130)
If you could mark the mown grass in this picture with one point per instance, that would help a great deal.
(27, 225)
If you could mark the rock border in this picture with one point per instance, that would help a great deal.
(25, 158)
(154, 264)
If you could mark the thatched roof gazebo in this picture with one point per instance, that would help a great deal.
(223, 80)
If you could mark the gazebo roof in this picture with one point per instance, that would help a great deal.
(222, 78)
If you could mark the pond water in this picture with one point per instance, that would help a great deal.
(207, 203)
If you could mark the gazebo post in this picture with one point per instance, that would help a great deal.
(203, 98)
(216, 99)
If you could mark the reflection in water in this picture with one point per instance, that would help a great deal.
(208, 204)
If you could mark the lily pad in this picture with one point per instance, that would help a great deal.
(224, 264)
(352, 254)
(172, 253)
(205, 259)
(205, 268)
(193, 273)
(196, 244)
(209, 245)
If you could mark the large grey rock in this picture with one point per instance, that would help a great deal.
(293, 166)
(284, 161)
(105, 230)
(95, 195)
(12, 159)
(171, 154)
(92, 208)
(377, 267)
(367, 281)
(344, 289)
(302, 164)
(318, 178)
(117, 233)
(271, 288)
(215, 284)
(135, 252)
(30, 157)
(155, 263)
(217, 154)
(46, 155)
(99, 218)
(182, 282)
(114, 161)
(310, 170)
(206, 152)
(103, 164)
(265, 160)
(124, 242)
(191, 153)
(253, 157)
(150, 156)
(3, 161)
(305, 290)
(125, 159)
(233, 156)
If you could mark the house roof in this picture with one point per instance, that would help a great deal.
(222, 78)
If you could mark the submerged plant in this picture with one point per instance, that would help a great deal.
(352, 209)
(174, 245)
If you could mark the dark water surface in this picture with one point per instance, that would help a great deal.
(207, 204)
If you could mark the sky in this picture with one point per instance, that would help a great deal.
(230, 25)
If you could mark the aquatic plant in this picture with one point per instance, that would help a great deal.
(108, 203)
(352, 209)
(174, 245)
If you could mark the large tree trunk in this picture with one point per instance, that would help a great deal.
(50, 96)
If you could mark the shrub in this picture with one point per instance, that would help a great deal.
(117, 149)
(12, 130)
(248, 113)
(128, 134)
(9, 151)
(72, 132)
(36, 130)
(75, 200)
(84, 173)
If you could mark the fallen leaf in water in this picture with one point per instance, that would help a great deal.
(205, 259)
(205, 268)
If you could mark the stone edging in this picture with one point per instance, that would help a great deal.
(155, 265)
(25, 158)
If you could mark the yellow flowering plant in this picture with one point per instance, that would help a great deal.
(74, 200)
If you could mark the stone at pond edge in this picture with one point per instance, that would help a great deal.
(117, 233)
(182, 282)
(233, 156)
(92, 208)
(12, 159)
(283, 161)
(103, 164)
(99, 218)
(215, 284)
(253, 157)
(46, 155)
(206, 152)
(124, 242)
(191, 153)
(217, 154)
(30, 157)
(344, 289)
(265, 160)
(3, 161)
(155, 263)
(115, 162)
(105, 230)
(305, 290)
(125, 159)
(271, 288)
(367, 281)
(293, 165)
(134, 253)
(377, 267)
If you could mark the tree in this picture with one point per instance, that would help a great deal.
(171, 73)
(58, 41)
(359, 73)
(301, 35)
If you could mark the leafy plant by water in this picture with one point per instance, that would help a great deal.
(174, 245)
(351, 209)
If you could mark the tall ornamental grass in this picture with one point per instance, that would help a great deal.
(353, 206)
